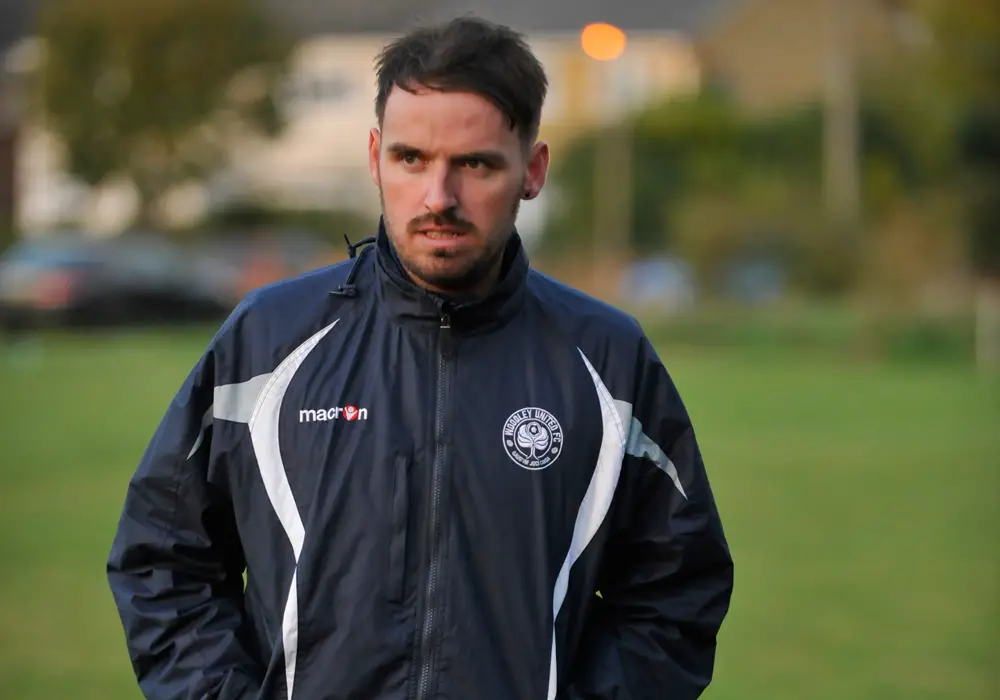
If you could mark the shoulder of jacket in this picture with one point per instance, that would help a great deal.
(283, 308)
(582, 313)
(302, 287)
(611, 340)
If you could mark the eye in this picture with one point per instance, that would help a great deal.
(410, 158)
(479, 165)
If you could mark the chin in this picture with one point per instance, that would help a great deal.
(447, 276)
(454, 278)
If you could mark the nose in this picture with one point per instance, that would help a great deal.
(440, 192)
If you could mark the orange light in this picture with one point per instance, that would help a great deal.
(602, 41)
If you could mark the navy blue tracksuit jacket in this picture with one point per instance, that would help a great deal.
(425, 498)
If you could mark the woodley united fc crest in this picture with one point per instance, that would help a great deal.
(533, 438)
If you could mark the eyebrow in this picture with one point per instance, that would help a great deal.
(492, 158)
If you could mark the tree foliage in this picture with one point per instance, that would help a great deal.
(157, 90)
(712, 184)
(966, 76)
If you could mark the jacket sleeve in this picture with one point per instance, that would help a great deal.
(666, 581)
(176, 563)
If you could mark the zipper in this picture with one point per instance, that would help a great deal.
(425, 646)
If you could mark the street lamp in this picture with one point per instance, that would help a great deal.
(612, 206)
(602, 41)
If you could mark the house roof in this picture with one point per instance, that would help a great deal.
(560, 16)
(310, 17)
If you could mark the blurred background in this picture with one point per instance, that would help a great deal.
(800, 200)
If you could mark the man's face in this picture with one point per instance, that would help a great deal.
(451, 174)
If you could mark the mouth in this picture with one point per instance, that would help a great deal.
(438, 234)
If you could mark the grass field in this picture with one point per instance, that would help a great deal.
(860, 502)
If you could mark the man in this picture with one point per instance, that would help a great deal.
(429, 459)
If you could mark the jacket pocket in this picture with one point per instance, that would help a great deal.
(397, 536)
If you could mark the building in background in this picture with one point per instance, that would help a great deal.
(320, 161)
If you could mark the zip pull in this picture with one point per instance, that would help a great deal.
(446, 345)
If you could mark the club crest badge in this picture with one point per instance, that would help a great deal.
(533, 438)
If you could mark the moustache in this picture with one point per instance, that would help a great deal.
(448, 219)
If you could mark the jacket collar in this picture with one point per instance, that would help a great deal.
(408, 302)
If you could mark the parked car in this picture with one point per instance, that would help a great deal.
(242, 262)
(68, 280)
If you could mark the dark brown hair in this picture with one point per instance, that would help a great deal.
(468, 54)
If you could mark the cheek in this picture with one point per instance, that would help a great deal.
(401, 194)
(399, 184)
(489, 198)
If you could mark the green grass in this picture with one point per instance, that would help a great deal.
(860, 502)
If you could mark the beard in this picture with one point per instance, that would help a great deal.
(453, 272)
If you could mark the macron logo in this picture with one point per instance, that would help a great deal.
(322, 415)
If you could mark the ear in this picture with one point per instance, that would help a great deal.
(374, 146)
(537, 171)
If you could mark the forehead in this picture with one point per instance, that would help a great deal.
(445, 121)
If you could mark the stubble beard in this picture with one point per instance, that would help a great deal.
(466, 278)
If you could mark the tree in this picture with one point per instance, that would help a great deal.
(157, 90)
(675, 145)
(967, 49)
(713, 183)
